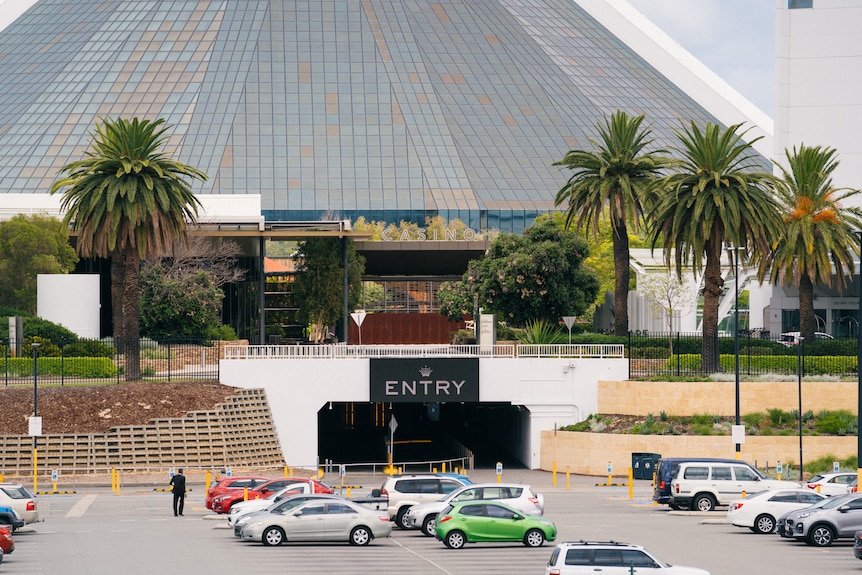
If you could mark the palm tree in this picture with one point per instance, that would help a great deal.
(715, 194)
(615, 176)
(817, 237)
(128, 201)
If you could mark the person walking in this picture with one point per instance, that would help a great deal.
(178, 483)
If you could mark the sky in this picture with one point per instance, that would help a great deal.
(734, 38)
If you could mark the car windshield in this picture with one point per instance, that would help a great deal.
(833, 502)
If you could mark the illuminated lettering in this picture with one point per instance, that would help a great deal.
(387, 235)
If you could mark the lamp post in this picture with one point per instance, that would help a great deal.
(858, 370)
(799, 380)
(734, 254)
(36, 423)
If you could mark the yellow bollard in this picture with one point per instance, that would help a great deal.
(743, 494)
(2, 479)
(35, 466)
(444, 467)
(568, 478)
(631, 484)
(433, 470)
(321, 473)
(207, 481)
(554, 476)
(284, 472)
(245, 493)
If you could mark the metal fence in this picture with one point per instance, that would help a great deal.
(653, 355)
(87, 361)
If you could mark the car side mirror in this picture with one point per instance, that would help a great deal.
(264, 490)
(844, 508)
(298, 513)
(375, 493)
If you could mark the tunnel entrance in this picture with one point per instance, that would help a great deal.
(359, 432)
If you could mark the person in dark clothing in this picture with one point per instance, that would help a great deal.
(178, 483)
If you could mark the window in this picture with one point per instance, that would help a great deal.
(498, 512)
(578, 557)
(794, 4)
(468, 495)
(635, 558)
(473, 510)
(696, 473)
(810, 498)
(609, 558)
(339, 508)
(429, 486)
(784, 497)
(448, 486)
(745, 474)
(721, 474)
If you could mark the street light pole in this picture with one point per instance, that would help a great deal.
(35, 432)
(799, 380)
(858, 370)
(736, 334)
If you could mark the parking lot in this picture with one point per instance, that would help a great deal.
(94, 531)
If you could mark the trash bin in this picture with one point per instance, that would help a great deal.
(643, 464)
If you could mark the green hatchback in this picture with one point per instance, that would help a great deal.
(475, 521)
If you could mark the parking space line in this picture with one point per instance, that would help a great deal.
(421, 557)
(79, 508)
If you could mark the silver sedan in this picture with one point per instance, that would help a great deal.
(319, 520)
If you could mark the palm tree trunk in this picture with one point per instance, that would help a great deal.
(713, 285)
(117, 281)
(807, 321)
(621, 279)
(131, 314)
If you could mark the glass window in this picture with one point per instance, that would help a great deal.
(609, 558)
(809, 498)
(794, 4)
(635, 558)
(696, 473)
(578, 557)
(468, 495)
(498, 512)
(744, 474)
(448, 486)
(473, 510)
(339, 508)
(721, 474)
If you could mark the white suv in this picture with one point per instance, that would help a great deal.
(405, 491)
(610, 558)
(703, 485)
(519, 497)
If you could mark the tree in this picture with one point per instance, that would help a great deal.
(668, 296)
(185, 306)
(614, 178)
(128, 201)
(319, 283)
(714, 194)
(29, 246)
(522, 278)
(817, 237)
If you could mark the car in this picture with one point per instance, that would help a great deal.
(476, 521)
(319, 520)
(7, 543)
(406, 490)
(222, 503)
(20, 499)
(759, 511)
(610, 558)
(837, 517)
(790, 338)
(228, 483)
(833, 483)
(703, 486)
(242, 508)
(666, 469)
(278, 507)
(857, 544)
(520, 497)
(9, 517)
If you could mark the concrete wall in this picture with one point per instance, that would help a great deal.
(719, 397)
(589, 453)
(71, 300)
(554, 391)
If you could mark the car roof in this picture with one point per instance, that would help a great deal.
(610, 543)
(483, 502)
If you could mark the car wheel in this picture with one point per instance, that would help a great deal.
(534, 538)
(703, 503)
(821, 536)
(273, 536)
(764, 523)
(401, 518)
(455, 540)
(429, 526)
(360, 536)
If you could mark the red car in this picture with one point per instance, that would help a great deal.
(222, 503)
(232, 483)
(7, 544)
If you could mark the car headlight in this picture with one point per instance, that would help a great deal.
(804, 515)
(242, 521)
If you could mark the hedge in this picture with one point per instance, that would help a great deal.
(56, 366)
(813, 365)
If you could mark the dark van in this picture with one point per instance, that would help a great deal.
(666, 469)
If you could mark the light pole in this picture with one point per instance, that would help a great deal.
(734, 253)
(799, 380)
(36, 424)
(858, 370)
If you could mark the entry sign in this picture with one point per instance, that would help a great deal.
(342, 469)
(499, 468)
(35, 426)
(610, 468)
(228, 472)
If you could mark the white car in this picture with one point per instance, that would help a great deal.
(838, 483)
(610, 558)
(21, 500)
(519, 497)
(241, 508)
(760, 511)
(790, 338)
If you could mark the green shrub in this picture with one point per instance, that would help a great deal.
(83, 367)
(840, 422)
(543, 332)
(223, 333)
(88, 348)
(817, 365)
(752, 419)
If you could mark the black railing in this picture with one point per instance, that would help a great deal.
(654, 355)
(87, 361)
